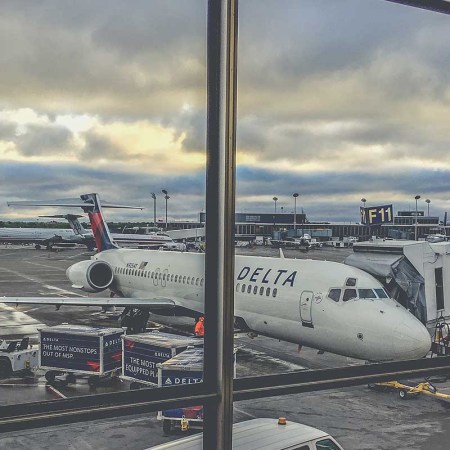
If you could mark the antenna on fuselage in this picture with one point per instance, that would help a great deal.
(281, 253)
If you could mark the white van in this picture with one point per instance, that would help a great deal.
(267, 434)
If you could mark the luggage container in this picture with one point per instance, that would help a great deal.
(77, 349)
(142, 353)
(185, 368)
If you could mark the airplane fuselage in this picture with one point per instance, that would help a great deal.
(313, 303)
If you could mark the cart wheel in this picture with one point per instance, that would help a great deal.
(5, 368)
(167, 426)
(134, 386)
(71, 378)
(50, 376)
(402, 394)
(93, 381)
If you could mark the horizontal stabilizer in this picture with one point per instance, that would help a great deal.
(69, 203)
(150, 303)
(63, 216)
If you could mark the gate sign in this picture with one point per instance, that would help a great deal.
(376, 215)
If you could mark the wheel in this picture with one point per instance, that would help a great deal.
(50, 376)
(402, 394)
(5, 368)
(167, 426)
(71, 378)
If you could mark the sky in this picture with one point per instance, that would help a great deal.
(337, 100)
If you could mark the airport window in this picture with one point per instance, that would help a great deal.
(249, 289)
(381, 293)
(188, 280)
(366, 293)
(268, 292)
(151, 275)
(350, 282)
(201, 282)
(197, 281)
(193, 281)
(274, 292)
(349, 294)
(238, 286)
(261, 290)
(243, 288)
(164, 276)
(184, 279)
(335, 294)
(255, 290)
(176, 278)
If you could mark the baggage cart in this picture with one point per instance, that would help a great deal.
(185, 368)
(80, 350)
(142, 353)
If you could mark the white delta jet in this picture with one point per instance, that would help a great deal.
(324, 305)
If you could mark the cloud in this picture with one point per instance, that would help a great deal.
(337, 99)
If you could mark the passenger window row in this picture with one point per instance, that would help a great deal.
(255, 289)
(183, 279)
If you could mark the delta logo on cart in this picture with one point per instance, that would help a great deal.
(180, 378)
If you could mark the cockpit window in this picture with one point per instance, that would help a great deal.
(381, 293)
(334, 294)
(349, 294)
(366, 293)
(350, 282)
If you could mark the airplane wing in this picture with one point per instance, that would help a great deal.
(150, 303)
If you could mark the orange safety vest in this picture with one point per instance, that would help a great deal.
(199, 328)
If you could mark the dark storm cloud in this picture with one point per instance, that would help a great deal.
(49, 182)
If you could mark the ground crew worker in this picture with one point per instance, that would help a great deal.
(199, 329)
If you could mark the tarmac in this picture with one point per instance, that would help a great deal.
(359, 418)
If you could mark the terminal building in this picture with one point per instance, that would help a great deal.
(251, 225)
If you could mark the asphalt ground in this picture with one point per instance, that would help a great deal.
(358, 417)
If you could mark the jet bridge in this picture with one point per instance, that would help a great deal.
(416, 273)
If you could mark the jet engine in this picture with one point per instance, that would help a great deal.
(90, 276)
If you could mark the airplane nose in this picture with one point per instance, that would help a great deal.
(411, 340)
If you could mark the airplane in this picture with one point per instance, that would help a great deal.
(48, 237)
(79, 235)
(320, 304)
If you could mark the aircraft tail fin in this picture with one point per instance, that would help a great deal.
(102, 236)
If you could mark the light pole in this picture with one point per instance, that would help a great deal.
(274, 216)
(166, 196)
(295, 195)
(415, 228)
(428, 201)
(154, 208)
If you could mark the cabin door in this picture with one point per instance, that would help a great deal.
(305, 308)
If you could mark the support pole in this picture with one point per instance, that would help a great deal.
(220, 207)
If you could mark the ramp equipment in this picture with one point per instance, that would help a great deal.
(405, 391)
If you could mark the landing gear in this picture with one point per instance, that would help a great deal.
(134, 320)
